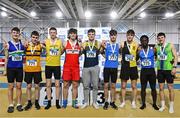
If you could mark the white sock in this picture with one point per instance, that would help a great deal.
(11, 105)
(163, 103)
(171, 107)
(18, 104)
(162, 106)
(133, 102)
(171, 104)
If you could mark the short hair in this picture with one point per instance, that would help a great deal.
(113, 32)
(131, 31)
(161, 34)
(35, 33)
(53, 28)
(91, 30)
(15, 29)
(72, 30)
(144, 36)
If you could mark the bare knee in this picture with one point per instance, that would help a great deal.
(29, 86)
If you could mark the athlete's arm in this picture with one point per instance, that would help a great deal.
(43, 44)
(155, 52)
(102, 48)
(175, 59)
(82, 46)
(63, 47)
(137, 52)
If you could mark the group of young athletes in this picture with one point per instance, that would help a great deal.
(163, 53)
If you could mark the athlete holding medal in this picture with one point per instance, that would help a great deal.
(147, 58)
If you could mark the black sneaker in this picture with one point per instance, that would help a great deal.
(37, 106)
(28, 106)
(105, 107)
(143, 106)
(75, 106)
(58, 106)
(112, 104)
(10, 109)
(155, 107)
(19, 108)
(48, 107)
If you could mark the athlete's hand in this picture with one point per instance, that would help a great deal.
(79, 40)
(103, 44)
(26, 44)
(173, 72)
(5, 44)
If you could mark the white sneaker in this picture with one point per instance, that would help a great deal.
(122, 105)
(133, 105)
(161, 109)
(171, 110)
(84, 105)
(95, 105)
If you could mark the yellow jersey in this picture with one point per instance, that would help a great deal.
(53, 52)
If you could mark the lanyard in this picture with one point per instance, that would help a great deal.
(162, 51)
(33, 50)
(129, 48)
(91, 47)
(113, 49)
(73, 44)
(16, 46)
(146, 53)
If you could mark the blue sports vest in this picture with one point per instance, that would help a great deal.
(111, 58)
(147, 62)
(15, 52)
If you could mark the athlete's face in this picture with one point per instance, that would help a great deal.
(113, 37)
(144, 42)
(130, 37)
(91, 36)
(161, 39)
(73, 36)
(53, 34)
(15, 35)
(34, 39)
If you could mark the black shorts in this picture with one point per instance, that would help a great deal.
(148, 74)
(129, 72)
(14, 73)
(165, 75)
(110, 73)
(29, 76)
(56, 70)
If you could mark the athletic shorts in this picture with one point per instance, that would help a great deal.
(36, 76)
(129, 73)
(56, 70)
(14, 74)
(148, 74)
(71, 74)
(165, 75)
(110, 73)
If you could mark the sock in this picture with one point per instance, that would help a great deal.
(11, 105)
(162, 103)
(36, 101)
(73, 102)
(57, 104)
(64, 103)
(29, 102)
(171, 104)
(133, 102)
(49, 102)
